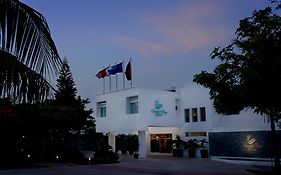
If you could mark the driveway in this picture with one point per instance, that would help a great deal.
(162, 165)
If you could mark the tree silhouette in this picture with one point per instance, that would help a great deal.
(27, 53)
(250, 74)
(66, 92)
(72, 115)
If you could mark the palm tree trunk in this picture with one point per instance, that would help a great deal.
(275, 146)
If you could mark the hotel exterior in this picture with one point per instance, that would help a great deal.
(158, 116)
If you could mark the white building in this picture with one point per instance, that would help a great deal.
(186, 111)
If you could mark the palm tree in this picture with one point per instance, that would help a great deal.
(27, 53)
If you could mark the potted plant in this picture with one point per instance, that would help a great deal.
(192, 145)
(132, 143)
(178, 146)
(136, 155)
(121, 143)
(203, 148)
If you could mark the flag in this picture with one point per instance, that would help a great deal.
(128, 71)
(102, 73)
(117, 68)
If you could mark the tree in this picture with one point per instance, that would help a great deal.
(66, 93)
(71, 105)
(250, 75)
(53, 127)
(27, 53)
(73, 115)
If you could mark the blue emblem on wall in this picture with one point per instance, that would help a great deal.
(158, 111)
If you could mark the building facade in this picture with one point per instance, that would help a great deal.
(158, 116)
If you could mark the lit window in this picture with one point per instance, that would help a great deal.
(194, 115)
(202, 114)
(101, 109)
(132, 105)
(195, 134)
(186, 115)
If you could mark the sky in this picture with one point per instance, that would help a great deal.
(168, 41)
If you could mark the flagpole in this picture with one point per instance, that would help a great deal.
(123, 75)
(131, 73)
(123, 80)
(110, 83)
(103, 85)
(116, 82)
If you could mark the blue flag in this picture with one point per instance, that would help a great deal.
(117, 68)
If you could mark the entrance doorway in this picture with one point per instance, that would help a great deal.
(161, 143)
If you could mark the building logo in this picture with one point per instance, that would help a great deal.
(250, 140)
(251, 144)
(158, 111)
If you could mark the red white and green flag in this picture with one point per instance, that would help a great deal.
(102, 73)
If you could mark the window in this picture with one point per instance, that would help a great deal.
(202, 114)
(195, 134)
(186, 115)
(194, 115)
(133, 108)
(101, 109)
(132, 105)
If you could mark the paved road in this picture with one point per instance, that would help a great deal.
(149, 166)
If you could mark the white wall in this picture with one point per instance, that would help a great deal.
(118, 120)
(192, 96)
(147, 103)
(246, 120)
(195, 96)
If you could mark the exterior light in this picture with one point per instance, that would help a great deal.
(57, 157)
(28, 155)
(89, 160)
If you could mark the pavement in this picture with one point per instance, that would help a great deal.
(158, 165)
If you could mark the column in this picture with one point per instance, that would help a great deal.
(142, 144)
(111, 140)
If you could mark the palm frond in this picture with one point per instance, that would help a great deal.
(26, 46)
(19, 82)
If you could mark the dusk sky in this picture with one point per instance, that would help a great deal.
(168, 40)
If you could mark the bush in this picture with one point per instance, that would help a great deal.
(104, 154)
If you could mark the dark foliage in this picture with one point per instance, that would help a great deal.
(50, 130)
(250, 75)
(126, 143)
(10, 134)
(104, 154)
(66, 92)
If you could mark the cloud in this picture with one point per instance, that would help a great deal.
(143, 47)
(188, 27)
(180, 29)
